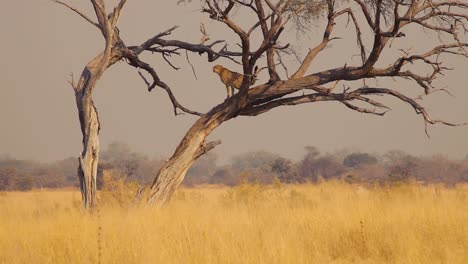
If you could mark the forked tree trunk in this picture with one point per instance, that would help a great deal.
(192, 146)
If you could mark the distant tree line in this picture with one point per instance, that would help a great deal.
(260, 166)
(353, 167)
(25, 175)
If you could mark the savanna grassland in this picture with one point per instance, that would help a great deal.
(329, 222)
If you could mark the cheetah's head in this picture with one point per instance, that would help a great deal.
(217, 68)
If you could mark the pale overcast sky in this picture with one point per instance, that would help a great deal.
(42, 43)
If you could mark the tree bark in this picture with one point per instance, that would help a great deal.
(90, 126)
(89, 157)
(89, 123)
(192, 146)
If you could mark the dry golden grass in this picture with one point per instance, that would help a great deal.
(326, 223)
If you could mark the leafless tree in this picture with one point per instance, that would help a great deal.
(385, 19)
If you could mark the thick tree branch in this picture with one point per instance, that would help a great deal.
(345, 98)
(155, 44)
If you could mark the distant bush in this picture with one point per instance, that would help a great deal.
(315, 166)
(117, 189)
(225, 175)
(11, 180)
(356, 160)
(202, 170)
(286, 170)
(24, 184)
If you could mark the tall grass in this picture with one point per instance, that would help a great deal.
(325, 223)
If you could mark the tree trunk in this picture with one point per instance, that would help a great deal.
(190, 148)
(89, 157)
(89, 123)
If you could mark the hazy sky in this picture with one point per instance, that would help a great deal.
(42, 43)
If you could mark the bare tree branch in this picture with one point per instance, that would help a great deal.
(85, 17)
(345, 97)
(326, 38)
(207, 147)
(191, 65)
(137, 63)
